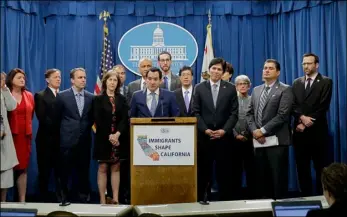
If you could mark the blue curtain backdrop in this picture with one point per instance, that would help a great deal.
(67, 34)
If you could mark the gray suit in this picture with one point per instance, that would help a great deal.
(174, 84)
(7, 149)
(132, 87)
(272, 162)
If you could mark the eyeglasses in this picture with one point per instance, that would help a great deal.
(240, 84)
(164, 60)
(307, 63)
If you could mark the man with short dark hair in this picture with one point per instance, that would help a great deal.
(47, 146)
(74, 119)
(312, 96)
(154, 101)
(215, 105)
(170, 80)
(269, 115)
(184, 94)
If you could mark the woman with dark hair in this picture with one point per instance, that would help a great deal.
(7, 150)
(228, 73)
(334, 183)
(111, 119)
(20, 121)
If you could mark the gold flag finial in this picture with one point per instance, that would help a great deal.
(209, 17)
(104, 15)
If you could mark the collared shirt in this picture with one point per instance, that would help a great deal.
(75, 92)
(168, 80)
(262, 129)
(190, 91)
(121, 90)
(218, 85)
(270, 85)
(54, 90)
(241, 125)
(149, 97)
(142, 81)
(313, 77)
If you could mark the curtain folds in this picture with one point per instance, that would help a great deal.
(241, 35)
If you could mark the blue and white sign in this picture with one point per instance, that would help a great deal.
(147, 40)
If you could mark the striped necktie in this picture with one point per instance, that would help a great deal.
(262, 104)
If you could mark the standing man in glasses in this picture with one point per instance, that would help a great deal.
(312, 96)
(170, 81)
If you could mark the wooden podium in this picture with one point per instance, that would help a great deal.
(163, 160)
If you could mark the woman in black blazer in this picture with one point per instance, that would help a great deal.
(111, 118)
(334, 182)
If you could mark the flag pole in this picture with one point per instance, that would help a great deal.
(105, 15)
(205, 74)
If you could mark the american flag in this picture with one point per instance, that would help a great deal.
(106, 61)
(105, 65)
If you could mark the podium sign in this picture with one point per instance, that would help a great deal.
(163, 145)
(163, 160)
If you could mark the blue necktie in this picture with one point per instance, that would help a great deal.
(186, 99)
(166, 82)
(153, 104)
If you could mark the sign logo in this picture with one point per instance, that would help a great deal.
(147, 40)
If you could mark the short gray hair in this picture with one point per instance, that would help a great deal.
(143, 59)
(242, 78)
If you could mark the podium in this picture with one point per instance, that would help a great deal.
(163, 160)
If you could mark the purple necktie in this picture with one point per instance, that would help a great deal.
(186, 99)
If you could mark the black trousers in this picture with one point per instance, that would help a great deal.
(47, 162)
(75, 159)
(308, 148)
(244, 162)
(272, 172)
(220, 152)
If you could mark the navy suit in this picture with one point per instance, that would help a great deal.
(166, 107)
(75, 138)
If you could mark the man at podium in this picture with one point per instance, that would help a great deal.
(154, 101)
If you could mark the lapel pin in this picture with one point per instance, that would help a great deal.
(224, 87)
(317, 80)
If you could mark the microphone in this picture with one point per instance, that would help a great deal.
(205, 200)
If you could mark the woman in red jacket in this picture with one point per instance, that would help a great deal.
(20, 121)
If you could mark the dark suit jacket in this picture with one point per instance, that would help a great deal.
(132, 87)
(276, 112)
(224, 116)
(338, 209)
(45, 113)
(73, 128)
(175, 82)
(181, 104)
(102, 111)
(315, 105)
(167, 105)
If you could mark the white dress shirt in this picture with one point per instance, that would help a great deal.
(149, 97)
(218, 85)
(190, 91)
(54, 90)
(142, 81)
(313, 77)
